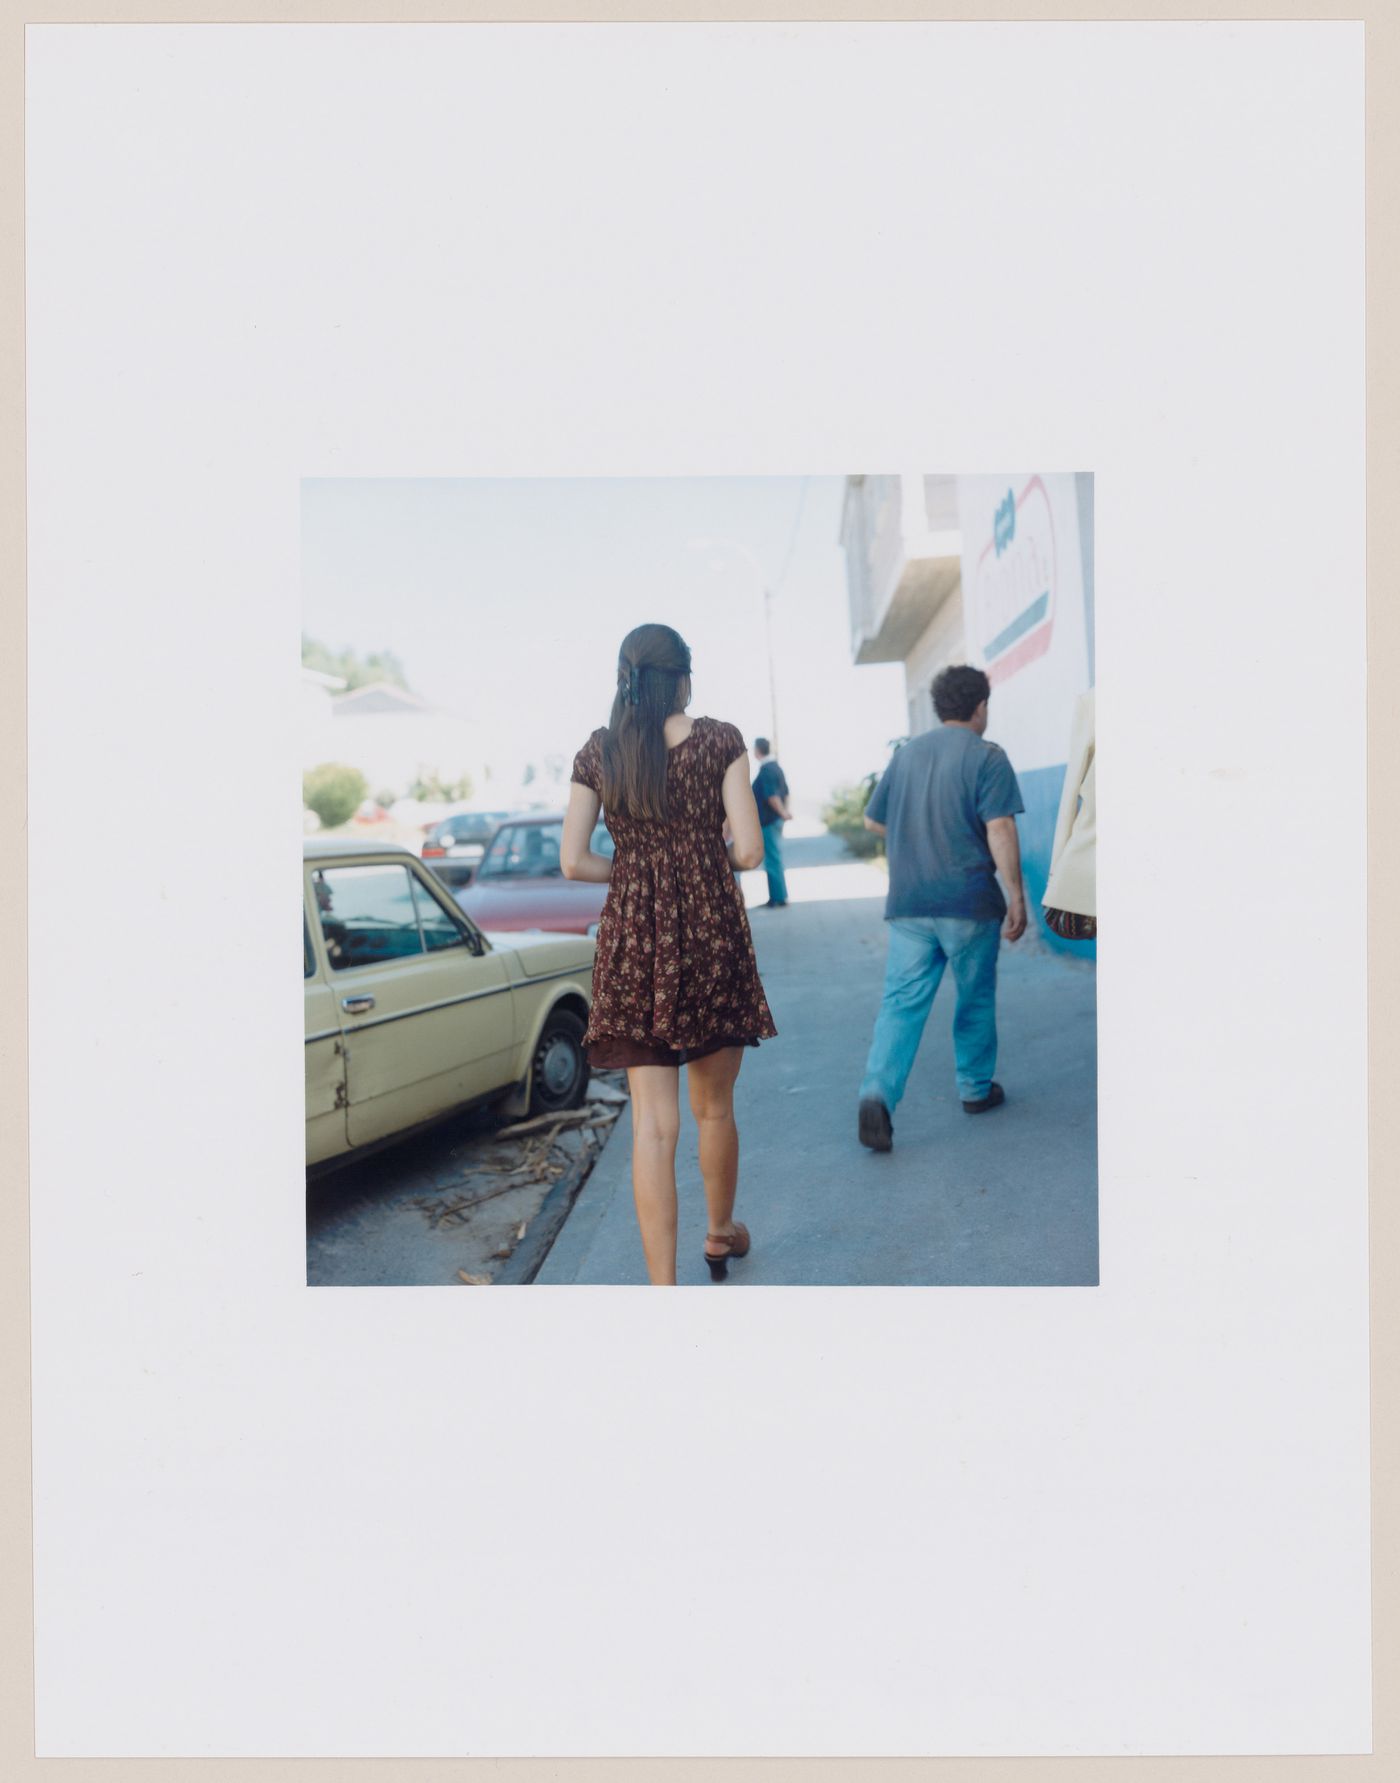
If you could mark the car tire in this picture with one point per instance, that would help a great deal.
(559, 1070)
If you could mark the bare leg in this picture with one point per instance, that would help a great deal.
(711, 1084)
(656, 1126)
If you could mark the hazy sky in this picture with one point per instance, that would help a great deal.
(506, 602)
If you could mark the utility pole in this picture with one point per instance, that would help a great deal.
(772, 673)
(767, 594)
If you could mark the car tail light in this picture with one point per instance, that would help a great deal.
(433, 854)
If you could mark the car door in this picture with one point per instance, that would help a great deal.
(423, 1003)
(327, 1133)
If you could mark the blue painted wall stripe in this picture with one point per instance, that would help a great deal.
(1033, 614)
(1040, 788)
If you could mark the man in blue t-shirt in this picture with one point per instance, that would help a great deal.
(946, 806)
(770, 791)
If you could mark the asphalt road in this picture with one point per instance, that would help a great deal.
(457, 1205)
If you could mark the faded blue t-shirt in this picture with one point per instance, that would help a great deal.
(769, 783)
(935, 799)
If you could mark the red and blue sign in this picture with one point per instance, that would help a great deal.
(1014, 599)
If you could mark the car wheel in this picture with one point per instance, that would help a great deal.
(559, 1070)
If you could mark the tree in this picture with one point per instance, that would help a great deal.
(334, 791)
(844, 813)
(844, 816)
(431, 786)
(379, 665)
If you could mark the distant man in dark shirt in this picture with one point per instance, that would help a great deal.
(947, 808)
(770, 790)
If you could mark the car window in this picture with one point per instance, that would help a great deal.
(310, 957)
(541, 850)
(439, 930)
(375, 913)
(602, 842)
(493, 861)
(468, 826)
(523, 851)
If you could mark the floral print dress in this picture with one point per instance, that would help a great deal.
(675, 972)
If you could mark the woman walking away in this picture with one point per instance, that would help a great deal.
(675, 981)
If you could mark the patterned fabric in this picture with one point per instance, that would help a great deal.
(1071, 927)
(623, 1055)
(675, 964)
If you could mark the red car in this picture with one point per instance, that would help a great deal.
(520, 884)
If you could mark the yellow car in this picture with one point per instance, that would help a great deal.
(412, 1012)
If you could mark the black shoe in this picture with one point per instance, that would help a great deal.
(770, 905)
(875, 1128)
(993, 1099)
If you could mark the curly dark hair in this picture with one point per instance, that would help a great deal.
(958, 691)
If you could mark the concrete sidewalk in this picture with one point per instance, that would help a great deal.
(1003, 1199)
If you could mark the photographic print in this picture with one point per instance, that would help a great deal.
(685, 855)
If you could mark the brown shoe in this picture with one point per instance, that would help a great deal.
(736, 1244)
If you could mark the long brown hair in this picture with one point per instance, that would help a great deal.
(651, 665)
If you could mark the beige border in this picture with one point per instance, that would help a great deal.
(1383, 562)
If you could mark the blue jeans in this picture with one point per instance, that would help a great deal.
(773, 861)
(920, 947)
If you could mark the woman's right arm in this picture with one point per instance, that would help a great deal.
(741, 811)
(576, 859)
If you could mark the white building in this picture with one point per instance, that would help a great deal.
(903, 551)
(391, 735)
(994, 570)
(316, 691)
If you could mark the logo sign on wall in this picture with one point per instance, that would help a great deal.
(1015, 578)
(1024, 605)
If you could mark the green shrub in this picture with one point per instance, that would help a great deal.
(435, 787)
(844, 815)
(334, 792)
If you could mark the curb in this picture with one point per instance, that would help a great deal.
(530, 1255)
